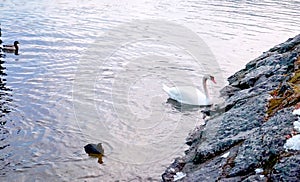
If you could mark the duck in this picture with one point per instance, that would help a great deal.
(191, 95)
(12, 48)
(95, 150)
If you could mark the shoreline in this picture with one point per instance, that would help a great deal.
(247, 140)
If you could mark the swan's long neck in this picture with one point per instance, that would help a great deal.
(205, 87)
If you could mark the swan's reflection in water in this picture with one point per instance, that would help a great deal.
(185, 107)
(206, 111)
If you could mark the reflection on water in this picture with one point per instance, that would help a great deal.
(5, 95)
(5, 108)
(45, 124)
(183, 107)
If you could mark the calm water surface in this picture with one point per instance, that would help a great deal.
(71, 86)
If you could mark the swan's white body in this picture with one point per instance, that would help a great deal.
(189, 95)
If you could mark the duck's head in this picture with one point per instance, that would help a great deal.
(16, 43)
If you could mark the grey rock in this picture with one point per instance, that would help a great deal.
(286, 46)
(256, 178)
(287, 170)
(264, 145)
(243, 131)
(228, 91)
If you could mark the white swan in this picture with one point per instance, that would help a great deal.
(190, 95)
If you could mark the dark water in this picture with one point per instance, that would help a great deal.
(91, 71)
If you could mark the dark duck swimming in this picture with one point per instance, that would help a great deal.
(12, 48)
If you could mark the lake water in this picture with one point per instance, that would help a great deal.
(92, 71)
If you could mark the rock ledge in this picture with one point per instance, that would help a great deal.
(246, 141)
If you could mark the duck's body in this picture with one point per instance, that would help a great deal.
(190, 95)
(11, 48)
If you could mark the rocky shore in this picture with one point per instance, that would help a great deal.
(248, 140)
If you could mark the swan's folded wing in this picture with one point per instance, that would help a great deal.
(190, 95)
(173, 92)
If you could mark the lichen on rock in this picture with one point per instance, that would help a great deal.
(286, 95)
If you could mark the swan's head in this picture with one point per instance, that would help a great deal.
(209, 77)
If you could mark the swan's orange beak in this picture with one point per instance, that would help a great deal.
(213, 80)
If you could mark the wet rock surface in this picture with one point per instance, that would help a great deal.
(244, 143)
